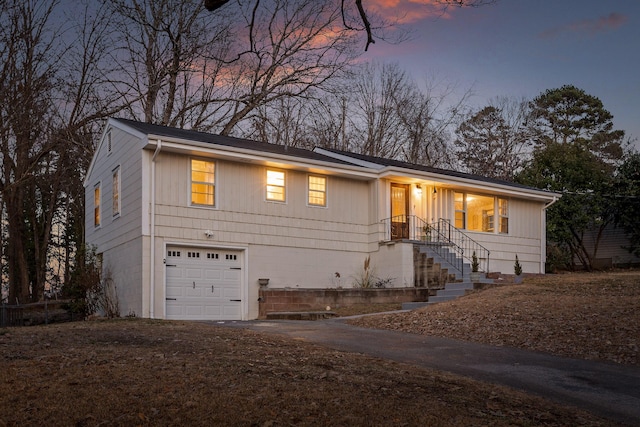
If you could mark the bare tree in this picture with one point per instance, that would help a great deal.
(27, 145)
(328, 125)
(56, 87)
(380, 111)
(361, 20)
(496, 141)
(282, 123)
(428, 115)
(373, 109)
(188, 69)
(286, 49)
(165, 51)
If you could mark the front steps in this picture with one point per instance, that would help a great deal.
(435, 272)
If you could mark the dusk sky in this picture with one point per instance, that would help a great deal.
(521, 48)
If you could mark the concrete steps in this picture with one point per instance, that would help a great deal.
(454, 290)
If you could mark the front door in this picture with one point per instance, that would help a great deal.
(399, 211)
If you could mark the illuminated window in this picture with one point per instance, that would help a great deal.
(503, 211)
(116, 191)
(475, 212)
(203, 182)
(460, 219)
(317, 190)
(480, 213)
(276, 185)
(96, 205)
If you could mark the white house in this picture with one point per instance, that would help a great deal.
(187, 222)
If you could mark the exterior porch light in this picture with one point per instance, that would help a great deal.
(418, 190)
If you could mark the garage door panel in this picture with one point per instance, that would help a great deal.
(193, 310)
(174, 291)
(211, 274)
(193, 293)
(231, 293)
(173, 272)
(232, 274)
(217, 276)
(193, 273)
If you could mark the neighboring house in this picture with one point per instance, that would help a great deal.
(186, 223)
(611, 248)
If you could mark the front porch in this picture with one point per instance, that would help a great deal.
(460, 253)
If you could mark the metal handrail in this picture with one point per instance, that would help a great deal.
(450, 243)
(464, 245)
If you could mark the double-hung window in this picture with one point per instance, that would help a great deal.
(96, 206)
(461, 213)
(276, 189)
(116, 191)
(317, 190)
(203, 180)
(503, 212)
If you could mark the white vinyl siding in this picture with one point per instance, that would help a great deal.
(120, 238)
(242, 217)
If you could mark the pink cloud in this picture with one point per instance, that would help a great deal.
(408, 11)
(589, 26)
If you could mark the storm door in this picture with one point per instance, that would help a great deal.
(399, 211)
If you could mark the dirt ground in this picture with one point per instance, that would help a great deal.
(143, 372)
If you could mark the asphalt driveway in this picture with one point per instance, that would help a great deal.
(606, 389)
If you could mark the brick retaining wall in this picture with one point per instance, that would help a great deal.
(277, 300)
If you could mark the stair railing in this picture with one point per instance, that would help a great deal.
(452, 244)
(461, 243)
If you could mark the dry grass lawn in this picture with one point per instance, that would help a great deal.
(139, 372)
(589, 316)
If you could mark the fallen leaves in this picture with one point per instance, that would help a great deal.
(588, 316)
(141, 372)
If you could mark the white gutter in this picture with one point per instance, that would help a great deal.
(152, 232)
(275, 159)
(548, 205)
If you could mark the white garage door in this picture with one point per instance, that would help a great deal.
(203, 284)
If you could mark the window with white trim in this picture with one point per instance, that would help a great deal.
(109, 145)
(460, 211)
(203, 178)
(317, 190)
(96, 205)
(503, 212)
(276, 190)
(477, 212)
(116, 191)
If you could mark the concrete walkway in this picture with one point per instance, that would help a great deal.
(605, 389)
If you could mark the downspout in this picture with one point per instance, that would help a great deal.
(152, 262)
(543, 234)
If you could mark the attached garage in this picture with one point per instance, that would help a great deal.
(203, 284)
